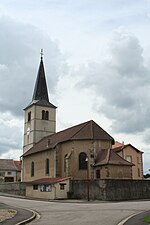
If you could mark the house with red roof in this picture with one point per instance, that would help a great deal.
(10, 170)
(132, 155)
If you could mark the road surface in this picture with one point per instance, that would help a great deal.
(69, 212)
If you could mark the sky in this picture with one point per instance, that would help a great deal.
(97, 64)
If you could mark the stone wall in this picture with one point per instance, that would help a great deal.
(107, 190)
(110, 190)
(14, 188)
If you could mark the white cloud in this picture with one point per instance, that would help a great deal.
(20, 46)
(121, 80)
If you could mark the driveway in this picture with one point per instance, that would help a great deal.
(70, 212)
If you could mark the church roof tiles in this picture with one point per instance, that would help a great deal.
(109, 157)
(84, 131)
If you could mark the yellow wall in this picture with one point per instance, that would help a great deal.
(72, 149)
(115, 172)
(55, 193)
(136, 160)
(39, 160)
(75, 148)
(56, 157)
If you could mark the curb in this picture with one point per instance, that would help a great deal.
(35, 214)
(129, 217)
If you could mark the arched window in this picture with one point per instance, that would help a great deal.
(47, 167)
(29, 116)
(32, 169)
(65, 162)
(47, 115)
(82, 161)
(43, 114)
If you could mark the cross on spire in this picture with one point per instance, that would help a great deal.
(41, 53)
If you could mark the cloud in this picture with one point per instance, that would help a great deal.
(19, 60)
(121, 79)
(11, 130)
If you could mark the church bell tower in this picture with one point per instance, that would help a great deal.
(40, 114)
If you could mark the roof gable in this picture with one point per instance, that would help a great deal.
(117, 147)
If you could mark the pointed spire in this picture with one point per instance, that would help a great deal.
(40, 90)
(40, 95)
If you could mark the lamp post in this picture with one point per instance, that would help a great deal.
(88, 189)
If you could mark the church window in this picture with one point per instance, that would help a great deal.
(47, 167)
(32, 169)
(82, 161)
(97, 173)
(65, 162)
(45, 115)
(29, 116)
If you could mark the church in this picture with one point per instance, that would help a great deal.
(50, 159)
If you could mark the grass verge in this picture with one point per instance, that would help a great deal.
(147, 219)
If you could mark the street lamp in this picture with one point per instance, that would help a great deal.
(88, 189)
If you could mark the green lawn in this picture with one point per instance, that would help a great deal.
(147, 219)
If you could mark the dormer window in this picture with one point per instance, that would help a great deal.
(29, 116)
(45, 115)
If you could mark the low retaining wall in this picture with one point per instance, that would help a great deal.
(14, 188)
(109, 190)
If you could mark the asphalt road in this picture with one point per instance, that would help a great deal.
(78, 212)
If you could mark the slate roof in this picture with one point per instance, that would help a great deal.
(117, 147)
(40, 95)
(109, 157)
(7, 164)
(49, 180)
(85, 131)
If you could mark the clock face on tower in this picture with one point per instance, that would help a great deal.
(28, 130)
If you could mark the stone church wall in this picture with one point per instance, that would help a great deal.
(110, 189)
(14, 188)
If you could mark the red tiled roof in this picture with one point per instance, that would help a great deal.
(49, 180)
(18, 164)
(117, 147)
(109, 157)
(84, 131)
(117, 144)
